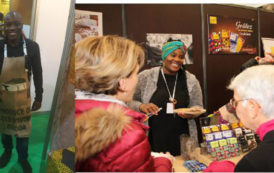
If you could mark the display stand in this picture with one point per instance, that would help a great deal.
(207, 159)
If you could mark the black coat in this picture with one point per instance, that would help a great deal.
(261, 159)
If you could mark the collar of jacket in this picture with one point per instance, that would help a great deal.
(102, 100)
(265, 128)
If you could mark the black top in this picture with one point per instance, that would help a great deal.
(33, 62)
(165, 129)
(261, 159)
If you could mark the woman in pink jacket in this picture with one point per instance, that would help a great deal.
(108, 135)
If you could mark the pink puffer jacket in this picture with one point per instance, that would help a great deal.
(114, 140)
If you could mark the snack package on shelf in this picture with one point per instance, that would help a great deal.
(243, 144)
(227, 134)
(218, 135)
(233, 146)
(225, 127)
(215, 128)
(250, 138)
(215, 151)
(224, 149)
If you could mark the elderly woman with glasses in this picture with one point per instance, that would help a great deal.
(253, 102)
(227, 112)
(167, 87)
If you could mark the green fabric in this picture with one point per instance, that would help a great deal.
(36, 143)
(171, 46)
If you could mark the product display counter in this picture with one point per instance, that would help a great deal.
(61, 161)
(206, 159)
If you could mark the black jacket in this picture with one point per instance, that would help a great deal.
(33, 63)
(251, 62)
(261, 159)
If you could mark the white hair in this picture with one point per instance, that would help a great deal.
(257, 83)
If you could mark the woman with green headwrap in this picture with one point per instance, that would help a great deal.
(167, 87)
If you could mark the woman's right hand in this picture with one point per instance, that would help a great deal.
(161, 154)
(149, 108)
(169, 156)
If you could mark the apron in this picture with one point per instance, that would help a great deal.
(15, 102)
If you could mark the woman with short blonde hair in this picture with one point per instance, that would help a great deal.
(109, 136)
(102, 61)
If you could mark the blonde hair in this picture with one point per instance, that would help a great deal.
(100, 62)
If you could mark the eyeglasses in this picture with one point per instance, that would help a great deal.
(234, 102)
(233, 105)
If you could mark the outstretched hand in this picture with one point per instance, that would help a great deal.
(149, 108)
(269, 58)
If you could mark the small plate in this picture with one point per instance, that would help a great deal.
(192, 111)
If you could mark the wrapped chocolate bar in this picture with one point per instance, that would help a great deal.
(218, 135)
(215, 128)
(227, 134)
(233, 146)
(243, 143)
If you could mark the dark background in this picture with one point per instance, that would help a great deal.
(186, 19)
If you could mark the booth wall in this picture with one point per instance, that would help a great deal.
(50, 31)
(267, 24)
(186, 19)
(112, 16)
(221, 68)
(144, 18)
(174, 19)
(24, 8)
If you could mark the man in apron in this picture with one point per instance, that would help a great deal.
(1, 25)
(19, 58)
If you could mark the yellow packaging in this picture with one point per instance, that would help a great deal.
(272, 50)
(212, 19)
(234, 125)
(240, 43)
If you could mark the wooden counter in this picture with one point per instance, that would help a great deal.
(206, 159)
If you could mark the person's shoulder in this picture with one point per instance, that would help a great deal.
(31, 43)
(149, 71)
(256, 159)
(190, 75)
(263, 150)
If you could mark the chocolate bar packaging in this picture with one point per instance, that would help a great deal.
(227, 134)
(215, 42)
(233, 146)
(227, 140)
(243, 143)
(240, 43)
(194, 166)
(233, 42)
(225, 41)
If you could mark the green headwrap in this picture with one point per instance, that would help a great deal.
(171, 46)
